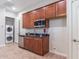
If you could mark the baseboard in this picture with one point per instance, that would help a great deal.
(2, 45)
(58, 53)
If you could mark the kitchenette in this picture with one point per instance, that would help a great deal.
(40, 26)
(37, 42)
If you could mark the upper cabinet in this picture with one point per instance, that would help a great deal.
(38, 14)
(61, 8)
(26, 20)
(50, 11)
(34, 15)
(41, 12)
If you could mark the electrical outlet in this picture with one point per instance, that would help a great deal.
(54, 48)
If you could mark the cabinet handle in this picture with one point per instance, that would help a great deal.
(75, 40)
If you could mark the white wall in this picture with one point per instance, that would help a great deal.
(2, 27)
(58, 36)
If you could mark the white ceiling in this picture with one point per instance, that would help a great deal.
(20, 5)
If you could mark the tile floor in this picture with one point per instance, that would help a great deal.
(12, 51)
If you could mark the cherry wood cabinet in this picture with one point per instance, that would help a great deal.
(61, 8)
(41, 45)
(26, 20)
(34, 15)
(28, 43)
(38, 14)
(38, 45)
(51, 11)
(41, 12)
(54, 10)
(32, 19)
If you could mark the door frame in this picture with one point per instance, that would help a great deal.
(69, 27)
(74, 44)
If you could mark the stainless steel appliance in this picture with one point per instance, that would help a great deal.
(21, 41)
(21, 37)
(40, 23)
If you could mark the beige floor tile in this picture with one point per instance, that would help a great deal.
(12, 51)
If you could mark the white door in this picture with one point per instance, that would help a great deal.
(75, 30)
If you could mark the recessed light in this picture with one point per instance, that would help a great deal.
(13, 8)
(10, 0)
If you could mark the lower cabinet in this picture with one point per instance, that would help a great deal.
(37, 45)
(28, 43)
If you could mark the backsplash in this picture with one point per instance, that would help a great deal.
(37, 30)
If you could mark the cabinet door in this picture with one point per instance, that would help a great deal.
(61, 8)
(38, 14)
(51, 11)
(26, 43)
(41, 13)
(31, 43)
(26, 20)
(34, 15)
(38, 46)
(45, 44)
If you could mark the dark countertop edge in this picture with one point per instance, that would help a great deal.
(22, 35)
(37, 36)
(33, 36)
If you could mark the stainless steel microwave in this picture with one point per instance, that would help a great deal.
(41, 23)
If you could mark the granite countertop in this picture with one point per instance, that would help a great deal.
(22, 35)
(34, 35)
